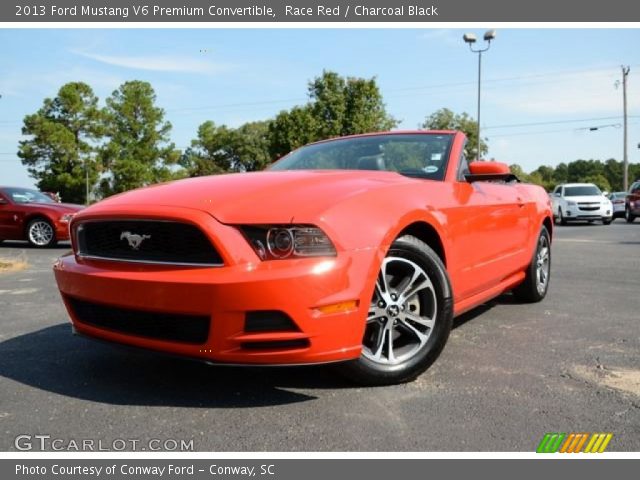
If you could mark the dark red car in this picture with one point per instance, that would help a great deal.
(27, 214)
(632, 202)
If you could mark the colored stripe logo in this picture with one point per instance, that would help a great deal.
(574, 442)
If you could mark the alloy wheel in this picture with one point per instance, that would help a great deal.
(41, 233)
(402, 313)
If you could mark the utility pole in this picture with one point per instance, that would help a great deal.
(625, 159)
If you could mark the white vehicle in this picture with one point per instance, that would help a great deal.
(580, 201)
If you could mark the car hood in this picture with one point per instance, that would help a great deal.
(270, 196)
(57, 207)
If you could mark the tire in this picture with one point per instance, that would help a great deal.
(404, 336)
(536, 282)
(563, 221)
(628, 216)
(40, 233)
(607, 221)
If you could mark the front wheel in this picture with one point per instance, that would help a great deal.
(563, 221)
(628, 216)
(607, 221)
(536, 282)
(409, 318)
(40, 233)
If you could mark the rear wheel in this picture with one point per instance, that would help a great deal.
(628, 216)
(536, 283)
(40, 233)
(409, 319)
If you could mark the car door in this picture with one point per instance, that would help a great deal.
(8, 221)
(633, 198)
(491, 234)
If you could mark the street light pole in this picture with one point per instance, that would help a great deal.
(479, 83)
(470, 38)
(625, 158)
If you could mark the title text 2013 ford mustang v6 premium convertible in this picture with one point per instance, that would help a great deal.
(359, 249)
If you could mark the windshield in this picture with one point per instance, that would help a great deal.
(585, 190)
(25, 195)
(416, 155)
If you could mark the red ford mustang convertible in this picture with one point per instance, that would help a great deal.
(360, 249)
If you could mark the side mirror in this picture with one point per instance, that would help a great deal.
(490, 171)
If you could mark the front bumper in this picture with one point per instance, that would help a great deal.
(62, 231)
(225, 295)
(576, 213)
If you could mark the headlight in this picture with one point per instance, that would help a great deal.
(67, 217)
(571, 203)
(276, 242)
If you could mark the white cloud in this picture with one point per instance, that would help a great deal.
(158, 63)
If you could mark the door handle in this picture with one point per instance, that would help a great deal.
(520, 202)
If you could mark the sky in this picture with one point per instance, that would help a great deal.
(542, 89)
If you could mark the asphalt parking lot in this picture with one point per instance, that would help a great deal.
(509, 374)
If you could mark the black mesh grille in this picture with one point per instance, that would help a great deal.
(159, 326)
(147, 241)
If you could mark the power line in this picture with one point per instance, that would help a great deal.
(403, 89)
(557, 122)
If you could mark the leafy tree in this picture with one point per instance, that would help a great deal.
(219, 149)
(561, 173)
(445, 119)
(338, 106)
(252, 146)
(347, 106)
(545, 177)
(598, 179)
(290, 130)
(63, 134)
(138, 152)
(209, 153)
(580, 169)
(613, 171)
(520, 173)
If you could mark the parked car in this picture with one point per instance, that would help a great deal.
(359, 249)
(632, 202)
(27, 214)
(581, 201)
(618, 203)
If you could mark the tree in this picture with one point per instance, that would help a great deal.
(545, 177)
(290, 130)
(220, 149)
(138, 152)
(613, 173)
(347, 106)
(561, 173)
(519, 172)
(578, 170)
(252, 146)
(338, 106)
(598, 179)
(63, 134)
(445, 119)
